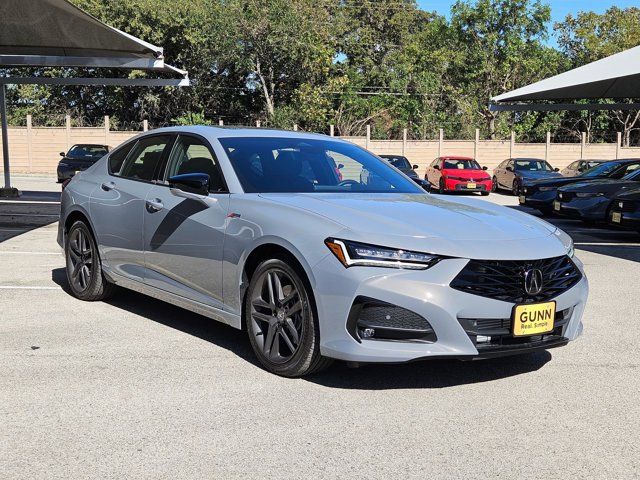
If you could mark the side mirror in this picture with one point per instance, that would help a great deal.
(62, 154)
(485, 168)
(437, 167)
(509, 169)
(197, 183)
(340, 166)
(556, 169)
(415, 167)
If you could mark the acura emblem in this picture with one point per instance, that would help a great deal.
(621, 205)
(533, 281)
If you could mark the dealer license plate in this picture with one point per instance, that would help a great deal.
(523, 199)
(616, 217)
(533, 319)
(556, 206)
(471, 185)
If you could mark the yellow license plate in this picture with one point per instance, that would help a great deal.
(556, 206)
(616, 217)
(471, 185)
(533, 319)
(522, 199)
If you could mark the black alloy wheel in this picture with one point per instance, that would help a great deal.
(281, 321)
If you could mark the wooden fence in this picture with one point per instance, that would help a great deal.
(37, 149)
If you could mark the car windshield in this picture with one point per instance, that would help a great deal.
(399, 162)
(292, 165)
(533, 166)
(634, 175)
(87, 151)
(601, 170)
(461, 164)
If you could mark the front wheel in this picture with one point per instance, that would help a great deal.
(442, 189)
(494, 184)
(84, 270)
(515, 188)
(281, 321)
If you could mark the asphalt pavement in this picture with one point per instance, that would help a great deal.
(135, 388)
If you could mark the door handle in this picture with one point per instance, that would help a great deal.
(154, 205)
(108, 186)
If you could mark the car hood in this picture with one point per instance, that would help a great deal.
(629, 195)
(552, 182)
(80, 161)
(462, 227)
(409, 172)
(601, 186)
(475, 174)
(529, 175)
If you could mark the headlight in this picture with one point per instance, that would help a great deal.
(352, 254)
(589, 194)
(547, 189)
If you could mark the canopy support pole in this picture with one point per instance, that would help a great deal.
(7, 191)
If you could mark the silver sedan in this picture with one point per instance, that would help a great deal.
(274, 233)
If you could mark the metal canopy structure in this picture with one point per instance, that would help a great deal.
(56, 33)
(614, 77)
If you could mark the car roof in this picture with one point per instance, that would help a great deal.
(455, 157)
(89, 145)
(528, 159)
(225, 132)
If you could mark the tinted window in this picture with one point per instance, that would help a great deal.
(94, 152)
(602, 170)
(116, 159)
(631, 172)
(191, 155)
(533, 165)
(399, 162)
(265, 164)
(461, 164)
(145, 157)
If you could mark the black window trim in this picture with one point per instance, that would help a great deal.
(164, 164)
(168, 147)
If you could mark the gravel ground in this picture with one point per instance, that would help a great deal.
(135, 388)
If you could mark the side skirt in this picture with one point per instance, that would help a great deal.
(177, 300)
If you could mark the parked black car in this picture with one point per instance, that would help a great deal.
(513, 172)
(540, 194)
(402, 163)
(625, 210)
(79, 158)
(580, 166)
(590, 201)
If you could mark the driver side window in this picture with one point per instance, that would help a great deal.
(191, 155)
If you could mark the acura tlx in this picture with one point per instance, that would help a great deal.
(260, 230)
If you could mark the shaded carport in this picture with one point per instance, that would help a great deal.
(56, 33)
(616, 77)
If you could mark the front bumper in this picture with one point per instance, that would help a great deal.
(463, 186)
(428, 294)
(539, 200)
(594, 208)
(630, 220)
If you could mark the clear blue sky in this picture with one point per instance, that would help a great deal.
(559, 8)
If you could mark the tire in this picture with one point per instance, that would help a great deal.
(484, 194)
(84, 269)
(281, 320)
(442, 189)
(494, 184)
(515, 188)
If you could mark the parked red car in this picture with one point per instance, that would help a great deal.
(458, 174)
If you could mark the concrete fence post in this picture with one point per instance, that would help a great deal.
(257, 123)
(145, 125)
(512, 144)
(368, 139)
(476, 145)
(331, 131)
(440, 142)
(583, 144)
(547, 148)
(29, 143)
(404, 141)
(67, 126)
(618, 145)
(221, 122)
(295, 127)
(106, 129)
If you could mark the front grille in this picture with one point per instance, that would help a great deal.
(496, 327)
(565, 196)
(504, 279)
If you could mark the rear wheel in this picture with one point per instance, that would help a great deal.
(84, 270)
(281, 321)
(515, 188)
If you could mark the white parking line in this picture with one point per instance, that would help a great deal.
(16, 252)
(30, 202)
(598, 244)
(55, 215)
(27, 287)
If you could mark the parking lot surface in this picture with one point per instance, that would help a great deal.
(135, 388)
